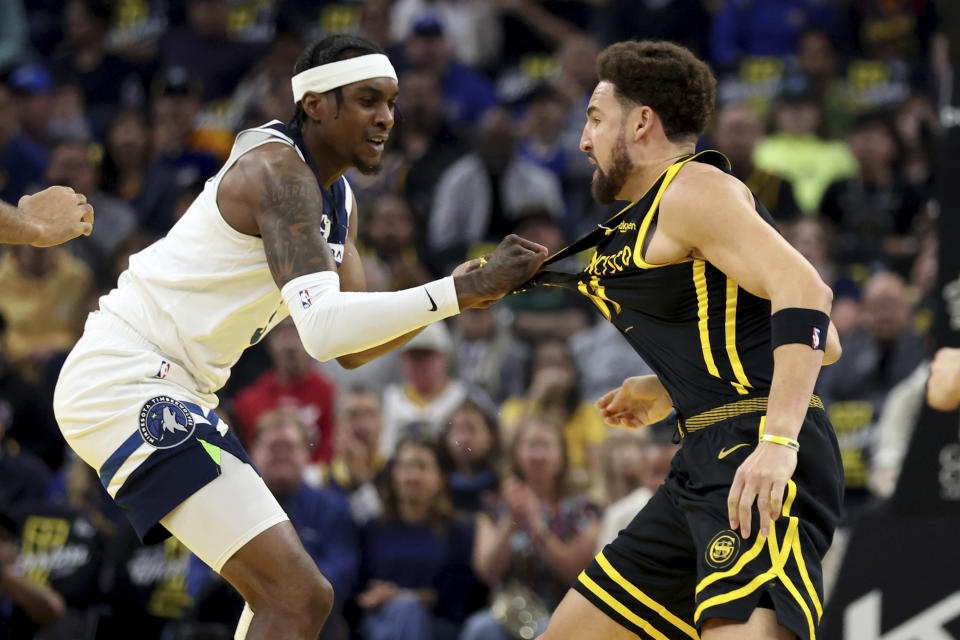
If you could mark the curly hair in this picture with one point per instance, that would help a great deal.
(664, 76)
(324, 51)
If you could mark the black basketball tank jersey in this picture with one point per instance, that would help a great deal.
(707, 339)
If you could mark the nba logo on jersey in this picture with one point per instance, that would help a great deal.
(816, 338)
(164, 370)
(305, 298)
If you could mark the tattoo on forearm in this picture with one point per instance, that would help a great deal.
(290, 212)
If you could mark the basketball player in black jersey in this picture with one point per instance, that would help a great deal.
(734, 323)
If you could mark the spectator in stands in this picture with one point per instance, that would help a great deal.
(534, 29)
(466, 94)
(293, 384)
(604, 358)
(33, 92)
(390, 233)
(44, 299)
(105, 80)
(626, 471)
(357, 460)
(758, 28)
(145, 587)
(470, 444)
(917, 123)
(27, 425)
(25, 606)
(553, 394)
(797, 149)
(76, 164)
(428, 393)
(472, 28)
(817, 62)
(175, 108)
(425, 137)
(23, 476)
(811, 239)
(21, 159)
(539, 536)
(481, 196)
(873, 211)
(417, 581)
(897, 30)
(204, 46)
(488, 354)
(876, 357)
(63, 550)
(685, 22)
(736, 133)
(128, 174)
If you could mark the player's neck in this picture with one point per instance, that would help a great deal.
(330, 167)
(647, 169)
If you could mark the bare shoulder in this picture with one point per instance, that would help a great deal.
(241, 188)
(703, 200)
(281, 200)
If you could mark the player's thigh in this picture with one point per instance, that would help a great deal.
(576, 618)
(762, 625)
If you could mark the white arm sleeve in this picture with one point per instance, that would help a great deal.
(333, 323)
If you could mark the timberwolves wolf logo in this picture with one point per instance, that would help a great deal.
(165, 423)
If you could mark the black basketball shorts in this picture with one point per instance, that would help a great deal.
(678, 563)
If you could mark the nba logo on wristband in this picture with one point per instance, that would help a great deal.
(305, 298)
(816, 338)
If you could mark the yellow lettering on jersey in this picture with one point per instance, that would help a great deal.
(607, 265)
(598, 296)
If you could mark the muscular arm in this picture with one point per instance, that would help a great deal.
(352, 279)
(271, 191)
(731, 236)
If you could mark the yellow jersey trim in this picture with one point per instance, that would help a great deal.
(730, 333)
(700, 282)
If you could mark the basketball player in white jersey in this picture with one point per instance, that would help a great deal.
(271, 235)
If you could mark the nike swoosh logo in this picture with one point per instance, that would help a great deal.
(725, 452)
(431, 300)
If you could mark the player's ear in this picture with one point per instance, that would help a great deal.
(314, 105)
(642, 117)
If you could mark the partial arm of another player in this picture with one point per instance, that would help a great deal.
(284, 197)
(47, 218)
(731, 236)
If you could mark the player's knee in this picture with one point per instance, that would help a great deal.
(303, 599)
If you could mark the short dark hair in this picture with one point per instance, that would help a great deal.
(324, 51)
(664, 76)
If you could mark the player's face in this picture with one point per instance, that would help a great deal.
(604, 142)
(364, 121)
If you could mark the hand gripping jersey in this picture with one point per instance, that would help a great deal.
(707, 339)
(204, 293)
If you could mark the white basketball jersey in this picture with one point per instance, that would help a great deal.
(204, 293)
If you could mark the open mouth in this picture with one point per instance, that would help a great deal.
(377, 142)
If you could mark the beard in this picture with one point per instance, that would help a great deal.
(606, 186)
(363, 167)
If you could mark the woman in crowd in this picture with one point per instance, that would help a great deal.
(471, 445)
(535, 541)
(553, 393)
(415, 552)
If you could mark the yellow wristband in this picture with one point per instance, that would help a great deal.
(782, 440)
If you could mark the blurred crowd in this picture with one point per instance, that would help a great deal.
(455, 488)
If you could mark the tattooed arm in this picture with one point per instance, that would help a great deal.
(271, 192)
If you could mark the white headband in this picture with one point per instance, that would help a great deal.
(336, 74)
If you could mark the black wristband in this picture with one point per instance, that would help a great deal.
(794, 325)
